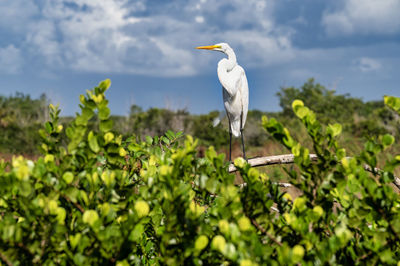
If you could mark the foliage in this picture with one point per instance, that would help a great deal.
(202, 127)
(344, 215)
(357, 117)
(105, 199)
(21, 117)
(22, 110)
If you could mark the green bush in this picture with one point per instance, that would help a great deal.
(104, 199)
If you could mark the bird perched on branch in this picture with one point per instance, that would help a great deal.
(235, 91)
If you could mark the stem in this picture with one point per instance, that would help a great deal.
(5, 259)
(259, 227)
(77, 205)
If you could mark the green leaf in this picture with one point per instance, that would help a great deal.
(201, 242)
(74, 240)
(297, 103)
(393, 102)
(106, 125)
(69, 132)
(25, 189)
(87, 113)
(149, 140)
(335, 129)
(93, 144)
(170, 135)
(104, 113)
(49, 127)
(137, 233)
(166, 140)
(387, 140)
(68, 177)
(61, 215)
(90, 217)
(302, 111)
(122, 263)
(80, 120)
(82, 99)
(104, 85)
(296, 149)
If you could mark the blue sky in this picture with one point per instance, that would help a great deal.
(146, 47)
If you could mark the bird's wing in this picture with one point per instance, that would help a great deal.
(244, 91)
(231, 80)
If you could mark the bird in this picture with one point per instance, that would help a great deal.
(235, 91)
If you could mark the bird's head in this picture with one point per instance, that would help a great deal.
(220, 47)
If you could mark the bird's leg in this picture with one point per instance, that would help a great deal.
(230, 140)
(230, 145)
(241, 134)
(244, 152)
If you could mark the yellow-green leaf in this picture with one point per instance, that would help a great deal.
(218, 243)
(387, 140)
(335, 129)
(201, 242)
(296, 103)
(302, 111)
(68, 177)
(93, 144)
(90, 217)
(142, 208)
(105, 84)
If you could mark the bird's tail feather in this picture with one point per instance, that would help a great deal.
(235, 128)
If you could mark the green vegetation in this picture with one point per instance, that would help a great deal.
(97, 197)
(21, 117)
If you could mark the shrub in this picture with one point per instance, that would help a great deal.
(108, 200)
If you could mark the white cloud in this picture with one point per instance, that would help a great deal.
(255, 49)
(366, 64)
(199, 19)
(363, 17)
(110, 36)
(16, 14)
(10, 60)
(41, 40)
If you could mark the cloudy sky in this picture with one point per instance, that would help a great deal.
(146, 47)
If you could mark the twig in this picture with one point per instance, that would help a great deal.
(259, 227)
(289, 159)
(5, 259)
(388, 221)
(77, 205)
(366, 255)
(280, 184)
(378, 171)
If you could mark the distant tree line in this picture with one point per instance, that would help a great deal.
(21, 117)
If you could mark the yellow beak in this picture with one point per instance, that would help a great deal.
(209, 47)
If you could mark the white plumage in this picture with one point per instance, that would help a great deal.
(234, 88)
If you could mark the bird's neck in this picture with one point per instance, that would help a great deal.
(231, 59)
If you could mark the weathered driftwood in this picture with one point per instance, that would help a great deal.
(289, 159)
(270, 160)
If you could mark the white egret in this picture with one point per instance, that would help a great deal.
(235, 91)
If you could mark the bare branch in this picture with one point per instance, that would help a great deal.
(289, 159)
(270, 160)
(260, 228)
